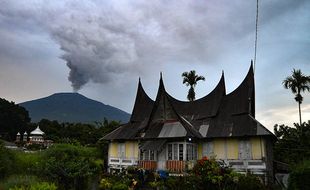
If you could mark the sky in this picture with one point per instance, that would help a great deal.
(101, 48)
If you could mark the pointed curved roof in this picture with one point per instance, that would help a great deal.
(204, 107)
(242, 99)
(214, 115)
(37, 131)
(143, 105)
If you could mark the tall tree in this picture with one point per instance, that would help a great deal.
(191, 79)
(298, 83)
(13, 119)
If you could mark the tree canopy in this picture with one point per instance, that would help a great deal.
(298, 83)
(13, 119)
(190, 79)
(293, 145)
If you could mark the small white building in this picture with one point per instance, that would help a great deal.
(36, 136)
(18, 137)
(25, 137)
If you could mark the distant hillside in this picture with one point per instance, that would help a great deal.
(72, 107)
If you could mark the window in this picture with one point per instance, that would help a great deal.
(207, 149)
(141, 154)
(147, 155)
(245, 149)
(180, 151)
(191, 152)
(152, 155)
(175, 151)
(169, 151)
(121, 150)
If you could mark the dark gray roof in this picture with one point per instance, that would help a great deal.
(143, 105)
(125, 131)
(215, 115)
(153, 145)
(206, 106)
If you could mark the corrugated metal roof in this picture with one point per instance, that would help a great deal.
(174, 129)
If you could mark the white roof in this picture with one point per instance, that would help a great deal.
(37, 131)
(18, 133)
(25, 133)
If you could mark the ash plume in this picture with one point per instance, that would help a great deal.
(102, 40)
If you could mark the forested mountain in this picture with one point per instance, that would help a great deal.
(72, 107)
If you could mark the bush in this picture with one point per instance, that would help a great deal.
(299, 178)
(26, 183)
(71, 166)
(249, 182)
(27, 163)
(210, 174)
(7, 159)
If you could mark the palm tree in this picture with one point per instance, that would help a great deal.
(191, 79)
(298, 83)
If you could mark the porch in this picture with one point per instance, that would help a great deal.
(174, 166)
(115, 162)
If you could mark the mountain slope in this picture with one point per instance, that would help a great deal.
(72, 107)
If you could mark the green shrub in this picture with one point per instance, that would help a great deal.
(27, 163)
(26, 182)
(7, 161)
(119, 186)
(43, 186)
(249, 182)
(210, 174)
(299, 178)
(71, 166)
(105, 183)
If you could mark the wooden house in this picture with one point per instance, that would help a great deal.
(169, 134)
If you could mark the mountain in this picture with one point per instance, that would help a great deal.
(72, 107)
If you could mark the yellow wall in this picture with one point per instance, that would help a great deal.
(113, 149)
(131, 149)
(136, 149)
(200, 150)
(232, 148)
(257, 148)
(219, 148)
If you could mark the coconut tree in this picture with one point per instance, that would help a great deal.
(298, 83)
(191, 79)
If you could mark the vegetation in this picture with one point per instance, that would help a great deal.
(6, 161)
(13, 119)
(67, 166)
(191, 79)
(206, 174)
(298, 83)
(26, 182)
(300, 175)
(293, 143)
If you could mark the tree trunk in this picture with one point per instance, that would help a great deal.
(299, 113)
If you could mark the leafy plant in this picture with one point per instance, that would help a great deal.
(299, 178)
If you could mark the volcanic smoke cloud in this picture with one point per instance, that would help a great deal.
(101, 40)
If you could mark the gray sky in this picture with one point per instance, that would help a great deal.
(100, 48)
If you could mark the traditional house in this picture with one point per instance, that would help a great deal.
(169, 134)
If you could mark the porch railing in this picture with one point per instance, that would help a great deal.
(123, 161)
(147, 164)
(177, 166)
